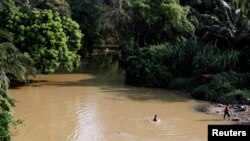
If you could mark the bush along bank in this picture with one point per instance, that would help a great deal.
(205, 71)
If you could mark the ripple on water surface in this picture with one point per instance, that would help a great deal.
(163, 129)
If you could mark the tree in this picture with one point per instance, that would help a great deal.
(51, 40)
(60, 6)
(8, 15)
(87, 14)
(225, 23)
(150, 22)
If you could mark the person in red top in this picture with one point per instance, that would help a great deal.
(226, 112)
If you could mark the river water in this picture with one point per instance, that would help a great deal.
(94, 104)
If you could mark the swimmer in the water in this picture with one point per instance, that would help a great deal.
(155, 118)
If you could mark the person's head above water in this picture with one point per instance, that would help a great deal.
(155, 118)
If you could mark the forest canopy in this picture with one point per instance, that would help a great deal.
(51, 39)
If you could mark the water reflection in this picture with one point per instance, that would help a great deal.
(107, 63)
(89, 127)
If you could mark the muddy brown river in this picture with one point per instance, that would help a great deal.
(98, 106)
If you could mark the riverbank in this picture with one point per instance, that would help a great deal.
(239, 114)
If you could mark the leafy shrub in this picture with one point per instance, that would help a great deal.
(5, 112)
(216, 89)
(145, 67)
(147, 74)
(221, 84)
(230, 79)
(223, 87)
(246, 81)
(201, 92)
(237, 96)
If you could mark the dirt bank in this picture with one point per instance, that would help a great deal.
(239, 113)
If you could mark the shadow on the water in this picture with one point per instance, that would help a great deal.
(32, 82)
(206, 120)
(114, 85)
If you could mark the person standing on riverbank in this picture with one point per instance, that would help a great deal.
(226, 111)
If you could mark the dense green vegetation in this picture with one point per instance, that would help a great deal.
(51, 40)
(88, 14)
(14, 65)
(212, 65)
(201, 46)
